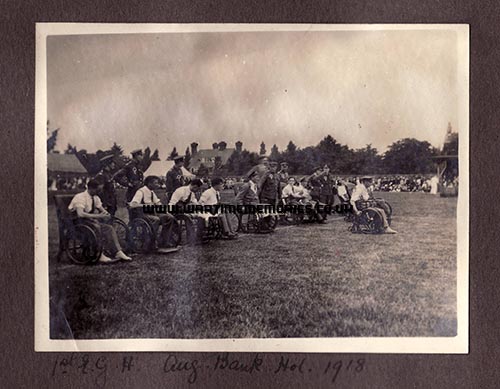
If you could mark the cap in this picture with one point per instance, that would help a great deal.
(366, 178)
(284, 163)
(273, 163)
(107, 158)
(179, 158)
(136, 151)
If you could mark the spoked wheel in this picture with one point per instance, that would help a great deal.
(84, 246)
(141, 237)
(122, 232)
(272, 222)
(371, 221)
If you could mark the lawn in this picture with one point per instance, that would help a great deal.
(301, 281)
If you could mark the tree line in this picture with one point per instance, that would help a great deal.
(405, 156)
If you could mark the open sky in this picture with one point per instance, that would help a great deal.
(165, 90)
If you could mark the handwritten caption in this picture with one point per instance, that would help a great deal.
(96, 367)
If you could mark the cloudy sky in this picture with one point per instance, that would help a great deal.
(165, 90)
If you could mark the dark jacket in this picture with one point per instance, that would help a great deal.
(246, 195)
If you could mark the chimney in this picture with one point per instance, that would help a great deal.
(194, 148)
(239, 146)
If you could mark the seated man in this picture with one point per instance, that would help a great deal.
(291, 192)
(212, 197)
(360, 195)
(247, 194)
(147, 196)
(88, 206)
(185, 194)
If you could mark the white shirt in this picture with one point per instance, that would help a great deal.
(83, 200)
(342, 191)
(146, 196)
(210, 197)
(290, 191)
(183, 194)
(253, 186)
(360, 193)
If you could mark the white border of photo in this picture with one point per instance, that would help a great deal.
(438, 345)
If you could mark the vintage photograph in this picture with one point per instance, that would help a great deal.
(252, 187)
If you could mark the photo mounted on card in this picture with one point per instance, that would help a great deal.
(252, 187)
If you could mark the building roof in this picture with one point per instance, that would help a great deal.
(207, 157)
(64, 163)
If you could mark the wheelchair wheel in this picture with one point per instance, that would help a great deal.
(141, 237)
(371, 221)
(122, 232)
(272, 222)
(84, 246)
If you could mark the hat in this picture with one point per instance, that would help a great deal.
(284, 163)
(251, 173)
(107, 158)
(366, 178)
(273, 163)
(136, 151)
(179, 158)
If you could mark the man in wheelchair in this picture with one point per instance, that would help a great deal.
(146, 196)
(248, 196)
(362, 200)
(89, 210)
(211, 197)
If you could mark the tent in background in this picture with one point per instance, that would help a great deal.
(160, 169)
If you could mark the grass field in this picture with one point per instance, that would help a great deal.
(302, 281)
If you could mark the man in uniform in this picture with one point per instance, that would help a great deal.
(269, 185)
(326, 190)
(261, 168)
(316, 183)
(175, 177)
(105, 178)
(131, 176)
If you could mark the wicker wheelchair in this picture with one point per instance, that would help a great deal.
(79, 239)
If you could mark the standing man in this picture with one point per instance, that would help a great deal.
(326, 190)
(316, 183)
(132, 175)
(261, 168)
(269, 186)
(175, 177)
(105, 178)
(283, 175)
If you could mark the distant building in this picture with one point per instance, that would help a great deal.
(218, 154)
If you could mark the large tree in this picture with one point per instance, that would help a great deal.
(408, 156)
